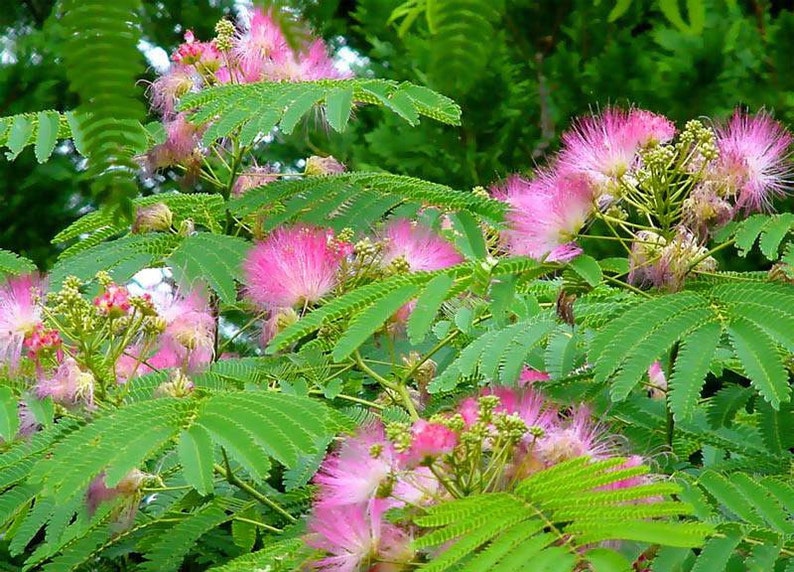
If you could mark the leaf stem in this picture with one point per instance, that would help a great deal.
(234, 480)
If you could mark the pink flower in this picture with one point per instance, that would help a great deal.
(356, 473)
(631, 462)
(293, 266)
(20, 315)
(166, 90)
(259, 44)
(529, 376)
(545, 215)
(428, 442)
(754, 160)
(202, 55)
(69, 385)
(42, 340)
(126, 491)
(658, 380)
(604, 147)
(189, 321)
(527, 404)
(577, 437)
(311, 64)
(114, 301)
(418, 245)
(356, 537)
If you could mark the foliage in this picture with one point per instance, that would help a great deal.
(216, 417)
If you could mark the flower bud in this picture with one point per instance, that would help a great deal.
(153, 218)
(320, 166)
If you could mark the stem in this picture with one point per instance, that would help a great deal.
(234, 480)
(399, 387)
(627, 286)
(352, 399)
(259, 524)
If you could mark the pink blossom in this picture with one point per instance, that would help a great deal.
(69, 384)
(166, 90)
(114, 301)
(418, 245)
(126, 491)
(604, 147)
(201, 55)
(658, 380)
(20, 315)
(41, 340)
(529, 376)
(356, 473)
(320, 166)
(418, 487)
(578, 436)
(189, 321)
(754, 160)
(293, 266)
(259, 44)
(529, 405)
(308, 65)
(428, 442)
(545, 215)
(357, 537)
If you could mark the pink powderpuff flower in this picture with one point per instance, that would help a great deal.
(20, 315)
(529, 405)
(294, 266)
(428, 442)
(189, 321)
(69, 385)
(530, 375)
(423, 249)
(578, 436)
(357, 537)
(126, 491)
(42, 340)
(359, 471)
(166, 90)
(256, 46)
(545, 215)
(754, 160)
(311, 64)
(418, 487)
(604, 147)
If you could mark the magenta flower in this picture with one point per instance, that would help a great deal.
(189, 321)
(166, 90)
(363, 464)
(20, 315)
(578, 436)
(604, 147)
(114, 301)
(754, 160)
(545, 215)
(423, 249)
(428, 442)
(202, 55)
(356, 537)
(294, 266)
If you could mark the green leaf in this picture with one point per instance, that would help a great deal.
(371, 319)
(472, 242)
(11, 263)
(690, 368)
(716, 553)
(620, 8)
(21, 130)
(774, 233)
(338, 105)
(9, 414)
(587, 267)
(761, 361)
(47, 134)
(197, 457)
(213, 258)
(427, 307)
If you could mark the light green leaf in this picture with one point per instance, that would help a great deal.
(196, 456)
(427, 306)
(338, 105)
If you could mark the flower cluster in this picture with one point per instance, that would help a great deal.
(296, 267)
(487, 443)
(250, 53)
(666, 195)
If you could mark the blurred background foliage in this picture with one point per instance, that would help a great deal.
(520, 69)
